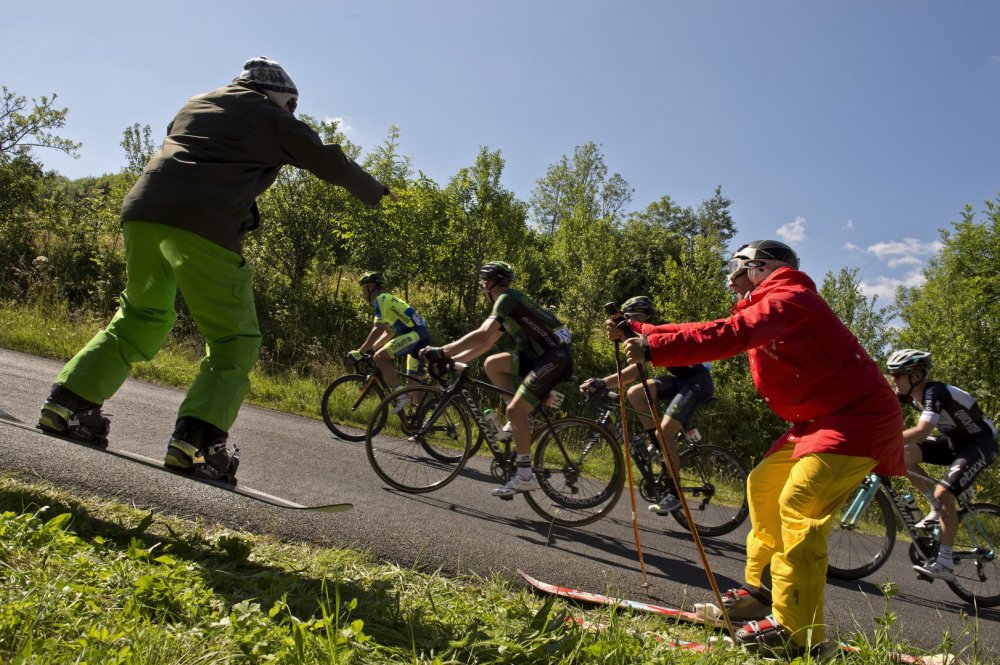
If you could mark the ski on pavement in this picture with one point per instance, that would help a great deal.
(242, 490)
(695, 618)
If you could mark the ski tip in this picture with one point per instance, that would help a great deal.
(6, 416)
(332, 508)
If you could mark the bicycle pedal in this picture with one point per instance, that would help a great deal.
(509, 497)
(926, 578)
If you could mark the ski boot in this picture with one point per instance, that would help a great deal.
(67, 414)
(200, 448)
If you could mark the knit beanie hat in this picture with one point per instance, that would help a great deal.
(267, 74)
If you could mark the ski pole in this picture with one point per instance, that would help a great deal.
(623, 325)
(628, 456)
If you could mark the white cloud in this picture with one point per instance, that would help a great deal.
(885, 287)
(850, 247)
(849, 224)
(343, 124)
(793, 231)
(908, 251)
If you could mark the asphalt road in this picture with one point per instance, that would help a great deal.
(459, 529)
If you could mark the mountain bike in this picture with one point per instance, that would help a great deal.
(578, 464)
(865, 532)
(713, 479)
(349, 401)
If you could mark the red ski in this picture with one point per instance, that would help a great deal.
(691, 617)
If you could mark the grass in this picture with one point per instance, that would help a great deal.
(89, 580)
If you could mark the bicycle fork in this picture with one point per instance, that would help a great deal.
(869, 487)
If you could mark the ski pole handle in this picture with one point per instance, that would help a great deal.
(611, 309)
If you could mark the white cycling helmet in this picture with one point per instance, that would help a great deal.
(907, 360)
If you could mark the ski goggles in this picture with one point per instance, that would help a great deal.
(737, 265)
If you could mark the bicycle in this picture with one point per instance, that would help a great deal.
(861, 541)
(712, 478)
(578, 464)
(349, 401)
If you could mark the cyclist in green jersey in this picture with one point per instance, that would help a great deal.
(542, 360)
(398, 329)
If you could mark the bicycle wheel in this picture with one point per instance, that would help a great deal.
(977, 571)
(858, 549)
(580, 469)
(348, 404)
(424, 447)
(714, 482)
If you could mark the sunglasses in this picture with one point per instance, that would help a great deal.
(292, 104)
(897, 375)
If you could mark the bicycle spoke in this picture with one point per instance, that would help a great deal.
(347, 406)
(714, 483)
(860, 542)
(977, 570)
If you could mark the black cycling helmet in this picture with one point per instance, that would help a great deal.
(498, 271)
(763, 250)
(639, 304)
(907, 360)
(371, 277)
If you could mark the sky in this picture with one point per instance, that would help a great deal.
(853, 130)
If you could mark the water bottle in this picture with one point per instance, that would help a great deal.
(490, 416)
(910, 504)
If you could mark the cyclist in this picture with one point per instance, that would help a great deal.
(967, 445)
(684, 387)
(398, 329)
(542, 360)
(812, 372)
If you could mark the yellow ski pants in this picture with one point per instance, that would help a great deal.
(791, 511)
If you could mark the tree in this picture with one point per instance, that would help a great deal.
(956, 313)
(137, 142)
(868, 322)
(20, 131)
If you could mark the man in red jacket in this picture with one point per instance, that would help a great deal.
(812, 372)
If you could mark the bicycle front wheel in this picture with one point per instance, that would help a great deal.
(580, 469)
(977, 571)
(425, 446)
(348, 403)
(714, 482)
(858, 546)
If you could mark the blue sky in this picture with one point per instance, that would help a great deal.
(854, 130)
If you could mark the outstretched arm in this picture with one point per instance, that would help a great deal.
(475, 343)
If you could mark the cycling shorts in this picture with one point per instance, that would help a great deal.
(684, 395)
(410, 343)
(541, 374)
(963, 464)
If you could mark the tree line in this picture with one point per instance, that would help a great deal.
(577, 243)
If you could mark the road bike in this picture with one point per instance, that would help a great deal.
(349, 401)
(578, 464)
(712, 478)
(864, 533)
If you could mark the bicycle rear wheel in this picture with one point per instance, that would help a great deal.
(859, 547)
(714, 482)
(423, 448)
(347, 406)
(977, 571)
(580, 469)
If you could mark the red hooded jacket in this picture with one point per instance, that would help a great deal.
(809, 368)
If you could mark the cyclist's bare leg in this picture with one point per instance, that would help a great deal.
(384, 363)
(949, 514)
(913, 457)
(498, 369)
(519, 414)
(671, 428)
(637, 398)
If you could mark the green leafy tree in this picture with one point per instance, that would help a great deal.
(25, 125)
(956, 312)
(869, 322)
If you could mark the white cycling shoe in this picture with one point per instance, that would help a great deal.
(936, 571)
(929, 521)
(516, 485)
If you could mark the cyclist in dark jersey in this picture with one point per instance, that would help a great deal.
(684, 387)
(967, 445)
(542, 359)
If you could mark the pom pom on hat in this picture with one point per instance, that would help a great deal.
(267, 74)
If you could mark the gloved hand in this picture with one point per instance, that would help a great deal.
(637, 350)
(592, 385)
(433, 354)
(355, 356)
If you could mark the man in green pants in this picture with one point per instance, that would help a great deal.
(183, 224)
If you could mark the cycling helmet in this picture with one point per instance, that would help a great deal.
(498, 271)
(639, 304)
(763, 250)
(372, 277)
(907, 360)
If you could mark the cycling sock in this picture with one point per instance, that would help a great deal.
(944, 556)
(524, 466)
(930, 497)
(651, 433)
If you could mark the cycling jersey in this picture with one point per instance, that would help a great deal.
(535, 329)
(394, 312)
(955, 412)
(686, 371)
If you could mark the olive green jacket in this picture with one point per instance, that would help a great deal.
(223, 149)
